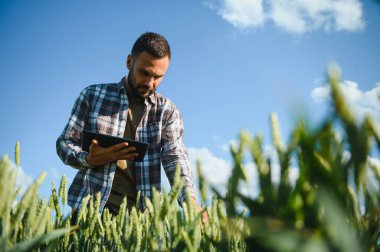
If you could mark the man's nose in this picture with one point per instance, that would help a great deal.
(150, 82)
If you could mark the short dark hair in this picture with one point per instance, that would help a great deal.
(152, 43)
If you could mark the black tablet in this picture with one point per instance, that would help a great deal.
(108, 141)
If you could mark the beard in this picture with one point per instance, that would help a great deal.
(136, 87)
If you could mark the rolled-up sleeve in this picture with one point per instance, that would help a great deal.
(174, 153)
(68, 143)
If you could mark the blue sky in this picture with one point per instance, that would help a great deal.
(233, 63)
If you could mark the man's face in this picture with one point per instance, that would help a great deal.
(146, 73)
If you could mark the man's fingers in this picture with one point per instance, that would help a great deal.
(127, 153)
(127, 150)
(118, 147)
(94, 143)
(103, 155)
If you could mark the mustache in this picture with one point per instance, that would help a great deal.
(143, 86)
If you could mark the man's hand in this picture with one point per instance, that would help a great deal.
(198, 208)
(100, 156)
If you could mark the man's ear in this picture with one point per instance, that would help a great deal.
(129, 61)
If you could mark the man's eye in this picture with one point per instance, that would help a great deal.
(145, 73)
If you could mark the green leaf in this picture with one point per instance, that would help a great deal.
(38, 241)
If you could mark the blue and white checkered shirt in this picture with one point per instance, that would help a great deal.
(103, 108)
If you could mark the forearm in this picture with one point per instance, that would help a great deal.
(68, 143)
(71, 153)
(170, 162)
(174, 153)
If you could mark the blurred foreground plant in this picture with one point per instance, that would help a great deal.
(322, 210)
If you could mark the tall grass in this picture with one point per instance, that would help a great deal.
(330, 207)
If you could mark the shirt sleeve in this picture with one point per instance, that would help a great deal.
(174, 152)
(68, 143)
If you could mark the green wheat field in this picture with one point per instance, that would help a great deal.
(330, 207)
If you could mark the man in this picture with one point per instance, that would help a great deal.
(131, 109)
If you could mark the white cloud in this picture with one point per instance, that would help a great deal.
(251, 187)
(243, 13)
(299, 16)
(216, 170)
(294, 16)
(362, 102)
(23, 180)
(226, 147)
(287, 15)
(348, 15)
(57, 175)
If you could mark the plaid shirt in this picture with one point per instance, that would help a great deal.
(103, 108)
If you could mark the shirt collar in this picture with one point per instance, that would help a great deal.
(152, 98)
